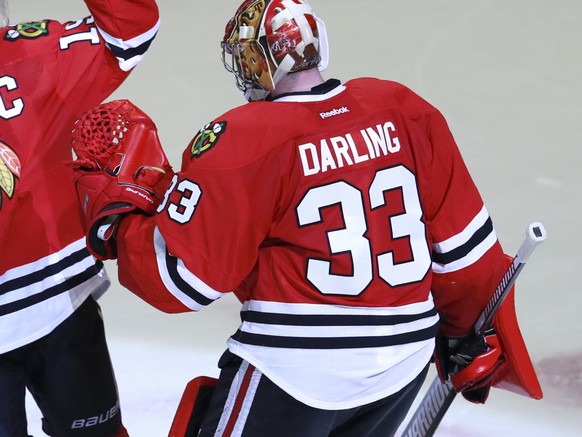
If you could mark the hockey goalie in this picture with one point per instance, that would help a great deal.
(121, 170)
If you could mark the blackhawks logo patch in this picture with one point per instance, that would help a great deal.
(206, 138)
(9, 171)
(29, 30)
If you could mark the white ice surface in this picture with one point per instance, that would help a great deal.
(506, 74)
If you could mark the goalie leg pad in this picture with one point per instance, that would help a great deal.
(193, 407)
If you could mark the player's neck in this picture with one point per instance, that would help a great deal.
(298, 82)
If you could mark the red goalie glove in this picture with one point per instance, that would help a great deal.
(120, 168)
(500, 359)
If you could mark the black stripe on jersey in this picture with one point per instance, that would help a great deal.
(55, 290)
(336, 342)
(181, 284)
(461, 251)
(129, 53)
(332, 319)
(48, 271)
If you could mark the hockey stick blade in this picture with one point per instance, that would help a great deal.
(440, 396)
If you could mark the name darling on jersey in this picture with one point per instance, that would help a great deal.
(335, 152)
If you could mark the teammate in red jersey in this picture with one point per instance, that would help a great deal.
(51, 332)
(343, 218)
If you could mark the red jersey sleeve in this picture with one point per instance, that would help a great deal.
(468, 261)
(128, 27)
(467, 258)
(205, 242)
(53, 72)
(138, 269)
(234, 209)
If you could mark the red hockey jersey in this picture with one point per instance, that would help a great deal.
(50, 74)
(339, 217)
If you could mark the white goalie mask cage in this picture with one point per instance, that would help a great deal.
(267, 39)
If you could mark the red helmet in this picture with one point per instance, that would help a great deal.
(267, 39)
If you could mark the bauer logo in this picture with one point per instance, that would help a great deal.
(334, 112)
(90, 422)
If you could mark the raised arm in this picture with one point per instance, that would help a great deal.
(127, 26)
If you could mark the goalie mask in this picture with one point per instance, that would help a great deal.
(3, 13)
(267, 39)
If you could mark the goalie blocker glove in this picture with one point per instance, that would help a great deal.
(120, 168)
(470, 363)
(499, 358)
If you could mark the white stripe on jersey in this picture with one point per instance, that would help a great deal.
(314, 309)
(37, 297)
(171, 274)
(342, 328)
(43, 282)
(127, 63)
(391, 347)
(463, 237)
(335, 379)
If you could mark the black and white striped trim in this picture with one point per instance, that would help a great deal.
(239, 401)
(28, 285)
(310, 326)
(465, 248)
(180, 282)
(130, 52)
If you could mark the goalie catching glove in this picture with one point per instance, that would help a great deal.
(120, 168)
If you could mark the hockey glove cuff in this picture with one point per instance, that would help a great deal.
(472, 364)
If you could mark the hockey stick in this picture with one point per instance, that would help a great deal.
(439, 396)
